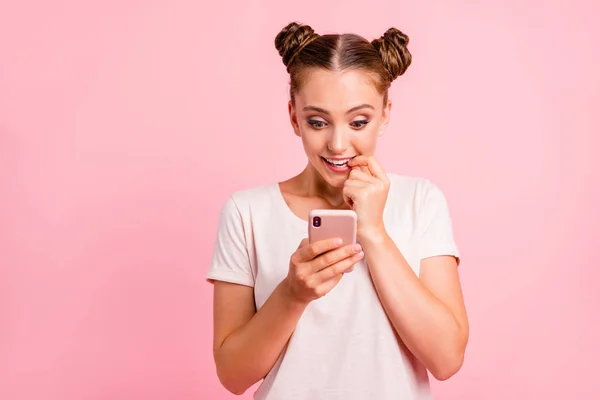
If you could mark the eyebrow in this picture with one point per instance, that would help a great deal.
(323, 111)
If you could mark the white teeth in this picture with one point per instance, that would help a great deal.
(338, 163)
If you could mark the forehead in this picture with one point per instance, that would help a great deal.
(338, 90)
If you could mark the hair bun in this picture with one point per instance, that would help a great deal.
(392, 48)
(292, 39)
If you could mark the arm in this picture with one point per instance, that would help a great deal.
(427, 312)
(247, 343)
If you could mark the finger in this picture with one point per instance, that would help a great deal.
(365, 170)
(315, 249)
(361, 163)
(368, 161)
(348, 201)
(358, 174)
(322, 288)
(376, 168)
(353, 183)
(338, 268)
(296, 257)
(349, 193)
(334, 256)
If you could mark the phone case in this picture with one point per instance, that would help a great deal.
(328, 224)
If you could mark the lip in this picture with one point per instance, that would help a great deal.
(338, 158)
(343, 169)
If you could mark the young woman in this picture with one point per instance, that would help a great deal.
(296, 315)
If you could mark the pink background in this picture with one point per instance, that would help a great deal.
(125, 125)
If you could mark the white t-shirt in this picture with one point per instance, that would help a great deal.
(344, 346)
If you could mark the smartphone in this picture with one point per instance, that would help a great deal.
(329, 224)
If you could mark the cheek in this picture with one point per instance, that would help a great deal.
(311, 142)
(365, 141)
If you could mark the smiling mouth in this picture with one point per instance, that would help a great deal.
(339, 163)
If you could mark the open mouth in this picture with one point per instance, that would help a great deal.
(340, 163)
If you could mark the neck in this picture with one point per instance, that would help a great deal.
(312, 184)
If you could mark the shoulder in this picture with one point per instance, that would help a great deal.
(255, 194)
(421, 201)
(242, 201)
(413, 188)
(418, 196)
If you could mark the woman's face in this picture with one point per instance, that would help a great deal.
(338, 115)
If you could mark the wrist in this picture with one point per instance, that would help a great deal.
(289, 296)
(374, 234)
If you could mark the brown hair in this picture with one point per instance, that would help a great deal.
(301, 48)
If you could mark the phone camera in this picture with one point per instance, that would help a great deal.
(316, 222)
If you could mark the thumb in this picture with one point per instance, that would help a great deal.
(348, 197)
(303, 243)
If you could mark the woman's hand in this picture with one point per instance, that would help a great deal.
(316, 268)
(366, 192)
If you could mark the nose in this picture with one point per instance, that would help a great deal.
(338, 141)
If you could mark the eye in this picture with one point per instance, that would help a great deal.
(359, 124)
(317, 124)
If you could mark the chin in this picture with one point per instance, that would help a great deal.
(334, 181)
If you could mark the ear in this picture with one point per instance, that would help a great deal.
(387, 109)
(293, 118)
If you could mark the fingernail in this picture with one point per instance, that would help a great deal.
(338, 242)
(357, 247)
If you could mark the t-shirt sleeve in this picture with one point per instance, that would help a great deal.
(436, 233)
(230, 261)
